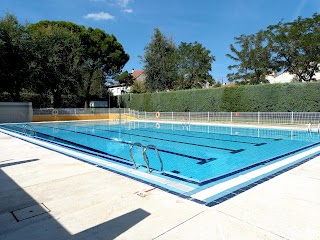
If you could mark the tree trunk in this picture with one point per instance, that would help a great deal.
(16, 95)
(57, 101)
(87, 94)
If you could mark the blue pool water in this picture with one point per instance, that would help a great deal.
(195, 153)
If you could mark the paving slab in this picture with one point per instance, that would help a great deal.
(213, 224)
(288, 205)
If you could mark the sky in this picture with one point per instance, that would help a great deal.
(213, 23)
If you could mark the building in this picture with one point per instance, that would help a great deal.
(138, 75)
(286, 77)
(117, 89)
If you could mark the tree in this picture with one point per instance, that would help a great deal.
(57, 61)
(138, 87)
(124, 78)
(292, 47)
(102, 53)
(194, 65)
(160, 63)
(295, 46)
(14, 56)
(253, 59)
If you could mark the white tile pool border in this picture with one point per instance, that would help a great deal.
(248, 177)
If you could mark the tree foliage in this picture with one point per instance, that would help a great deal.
(56, 58)
(14, 56)
(169, 67)
(160, 63)
(296, 46)
(138, 87)
(293, 47)
(57, 61)
(252, 60)
(124, 78)
(194, 65)
(102, 53)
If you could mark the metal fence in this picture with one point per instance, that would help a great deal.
(293, 118)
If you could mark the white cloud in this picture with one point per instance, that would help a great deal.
(123, 3)
(128, 10)
(99, 16)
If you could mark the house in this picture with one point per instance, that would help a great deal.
(138, 75)
(116, 89)
(286, 77)
(228, 85)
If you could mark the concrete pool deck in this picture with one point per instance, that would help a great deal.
(75, 200)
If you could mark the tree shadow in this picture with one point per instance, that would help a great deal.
(44, 226)
(115, 227)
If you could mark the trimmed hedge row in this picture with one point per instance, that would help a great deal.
(298, 97)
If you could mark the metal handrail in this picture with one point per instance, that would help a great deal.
(157, 151)
(31, 129)
(144, 156)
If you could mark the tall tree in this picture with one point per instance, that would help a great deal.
(253, 59)
(194, 66)
(160, 63)
(124, 78)
(57, 64)
(14, 56)
(102, 53)
(296, 46)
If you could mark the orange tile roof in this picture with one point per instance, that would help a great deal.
(228, 85)
(136, 73)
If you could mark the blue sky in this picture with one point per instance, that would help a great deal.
(212, 23)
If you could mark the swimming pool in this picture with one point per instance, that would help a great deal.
(196, 156)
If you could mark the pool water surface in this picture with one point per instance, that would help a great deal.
(197, 155)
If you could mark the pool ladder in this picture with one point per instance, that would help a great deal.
(32, 131)
(145, 155)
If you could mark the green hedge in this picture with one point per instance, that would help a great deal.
(298, 97)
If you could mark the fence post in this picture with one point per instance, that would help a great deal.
(231, 116)
(145, 114)
(189, 117)
(291, 117)
(258, 117)
(208, 116)
(172, 116)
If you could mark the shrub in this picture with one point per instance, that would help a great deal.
(296, 97)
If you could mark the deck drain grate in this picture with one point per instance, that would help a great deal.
(30, 212)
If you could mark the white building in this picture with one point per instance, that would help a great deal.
(118, 89)
(286, 77)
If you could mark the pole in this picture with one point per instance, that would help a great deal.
(109, 102)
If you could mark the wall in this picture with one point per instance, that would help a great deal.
(13, 112)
